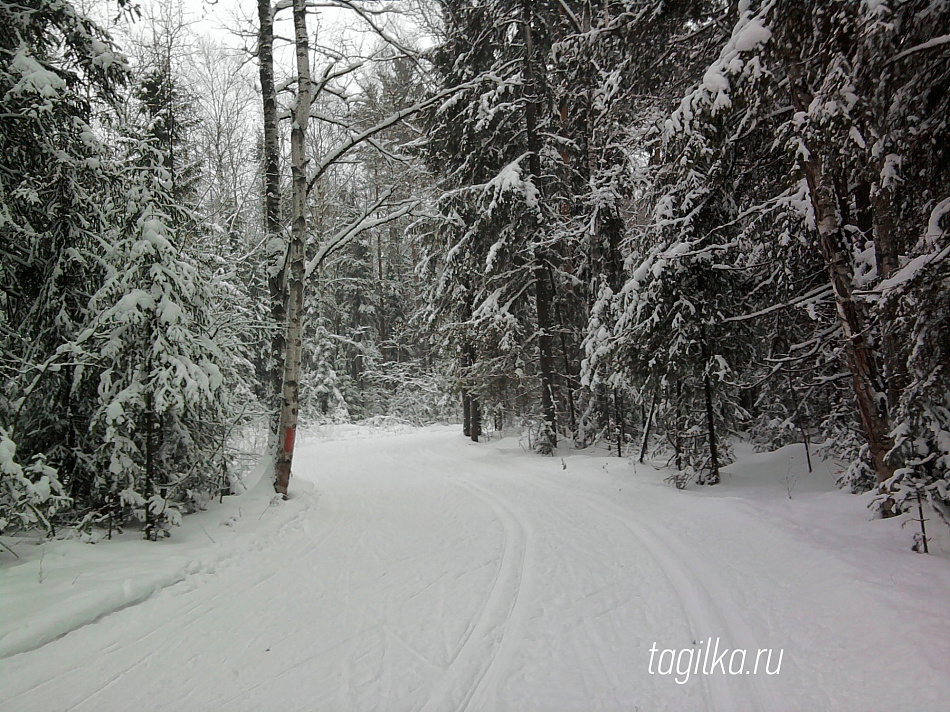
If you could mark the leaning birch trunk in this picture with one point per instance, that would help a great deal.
(859, 353)
(272, 227)
(860, 356)
(542, 273)
(296, 255)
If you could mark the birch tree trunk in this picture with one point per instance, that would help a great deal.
(860, 355)
(542, 273)
(271, 171)
(296, 256)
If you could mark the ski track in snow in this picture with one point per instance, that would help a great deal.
(498, 621)
(700, 595)
(430, 574)
(698, 608)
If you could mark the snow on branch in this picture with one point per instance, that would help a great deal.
(355, 228)
(714, 92)
(335, 155)
(923, 46)
(815, 295)
(910, 271)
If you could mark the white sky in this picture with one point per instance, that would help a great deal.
(233, 23)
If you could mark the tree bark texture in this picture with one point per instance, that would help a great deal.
(466, 414)
(542, 273)
(296, 256)
(472, 413)
(271, 171)
(714, 477)
(475, 419)
(859, 352)
(860, 355)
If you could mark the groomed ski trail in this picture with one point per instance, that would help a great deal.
(424, 572)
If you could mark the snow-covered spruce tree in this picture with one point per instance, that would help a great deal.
(832, 83)
(490, 146)
(920, 296)
(563, 103)
(669, 337)
(869, 83)
(398, 178)
(162, 412)
(737, 114)
(728, 119)
(321, 397)
(167, 110)
(359, 304)
(486, 371)
(580, 89)
(861, 111)
(59, 74)
(616, 70)
(903, 68)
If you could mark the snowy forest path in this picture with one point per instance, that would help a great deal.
(425, 572)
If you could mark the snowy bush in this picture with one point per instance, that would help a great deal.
(29, 495)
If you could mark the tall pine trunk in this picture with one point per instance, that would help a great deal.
(542, 274)
(466, 414)
(475, 419)
(568, 378)
(296, 255)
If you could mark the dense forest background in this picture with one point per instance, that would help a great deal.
(654, 225)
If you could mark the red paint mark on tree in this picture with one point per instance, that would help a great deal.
(289, 435)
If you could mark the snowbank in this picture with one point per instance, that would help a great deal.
(58, 586)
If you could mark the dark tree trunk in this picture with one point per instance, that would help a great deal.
(568, 371)
(678, 426)
(474, 419)
(618, 408)
(646, 429)
(151, 530)
(271, 171)
(714, 477)
(466, 414)
(542, 273)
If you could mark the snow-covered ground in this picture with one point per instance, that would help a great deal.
(421, 571)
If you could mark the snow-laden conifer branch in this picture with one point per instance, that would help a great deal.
(935, 43)
(815, 295)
